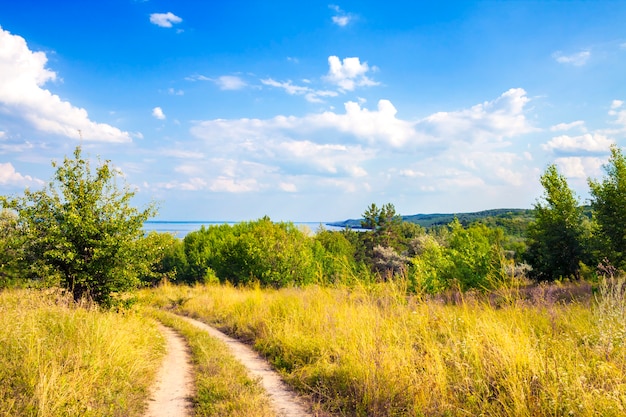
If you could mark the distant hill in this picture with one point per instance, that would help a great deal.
(514, 221)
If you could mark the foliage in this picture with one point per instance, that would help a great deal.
(555, 237)
(466, 258)
(608, 203)
(12, 261)
(82, 230)
(274, 254)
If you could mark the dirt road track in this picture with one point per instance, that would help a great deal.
(172, 394)
(285, 402)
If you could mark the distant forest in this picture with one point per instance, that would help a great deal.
(513, 221)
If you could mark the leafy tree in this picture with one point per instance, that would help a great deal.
(608, 204)
(82, 230)
(12, 262)
(554, 238)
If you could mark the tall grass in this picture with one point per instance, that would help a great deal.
(60, 360)
(375, 352)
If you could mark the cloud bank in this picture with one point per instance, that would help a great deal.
(22, 95)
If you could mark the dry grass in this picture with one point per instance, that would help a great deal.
(57, 359)
(375, 352)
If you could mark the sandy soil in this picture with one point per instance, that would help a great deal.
(171, 395)
(285, 402)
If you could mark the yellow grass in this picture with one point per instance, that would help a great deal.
(375, 352)
(60, 360)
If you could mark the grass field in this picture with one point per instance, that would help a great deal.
(375, 352)
(57, 359)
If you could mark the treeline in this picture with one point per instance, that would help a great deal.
(81, 233)
(563, 240)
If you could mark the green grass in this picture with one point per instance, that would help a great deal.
(375, 352)
(223, 388)
(57, 359)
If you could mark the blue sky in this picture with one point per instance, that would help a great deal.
(311, 111)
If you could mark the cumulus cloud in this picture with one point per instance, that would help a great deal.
(165, 20)
(338, 147)
(348, 73)
(9, 176)
(370, 126)
(580, 166)
(588, 142)
(157, 112)
(22, 95)
(578, 59)
(501, 118)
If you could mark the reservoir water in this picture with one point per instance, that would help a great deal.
(181, 228)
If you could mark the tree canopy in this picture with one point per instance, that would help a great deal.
(82, 230)
(608, 203)
(554, 238)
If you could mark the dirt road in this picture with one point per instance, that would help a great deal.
(285, 402)
(171, 396)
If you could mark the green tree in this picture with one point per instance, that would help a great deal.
(12, 262)
(554, 237)
(608, 205)
(82, 230)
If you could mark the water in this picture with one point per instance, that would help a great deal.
(181, 228)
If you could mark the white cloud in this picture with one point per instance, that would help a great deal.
(341, 18)
(287, 86)
(175, 92)
(8, 176)
(579, 167)
(24, 73)
(618, 110)
(310, 94)
(157, 112)
(501, 118)
(349, 150)
(578, 59)
(584, 143)
(370, 126)
(411, 173)
(348, 73)
(568, 126)
(288, 187)
(165, 20)
(230, 82)
(198, 77)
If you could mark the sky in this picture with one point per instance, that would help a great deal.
(312, 111)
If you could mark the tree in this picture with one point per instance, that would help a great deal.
(608, 205)
(12, 260)
(82, 230)
(554, 238)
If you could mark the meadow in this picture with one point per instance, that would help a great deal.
(374, 351)
(62, 359)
